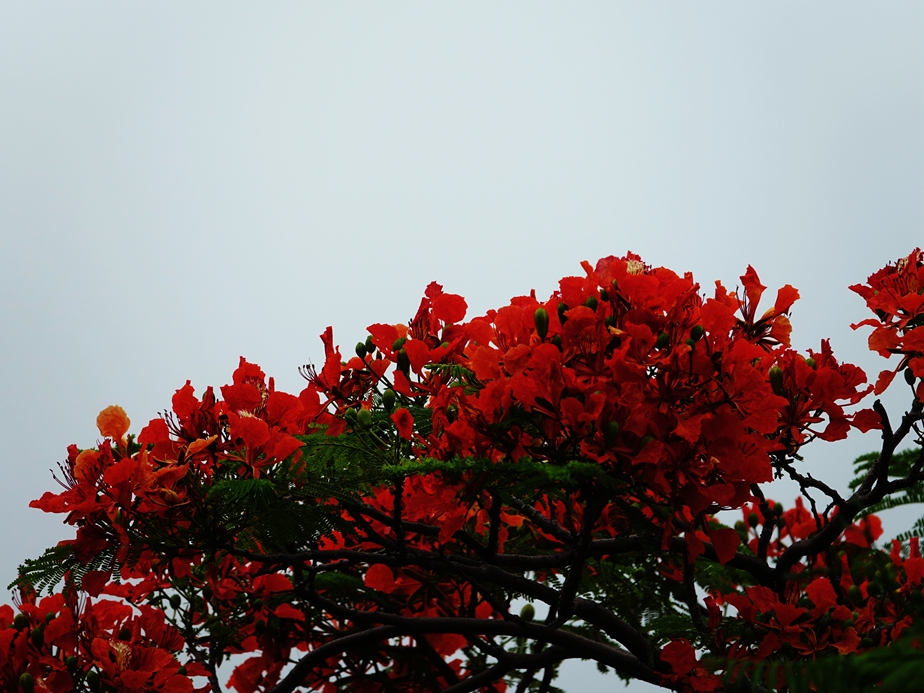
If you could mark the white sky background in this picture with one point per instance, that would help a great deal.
(180, 186)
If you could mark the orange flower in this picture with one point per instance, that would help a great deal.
(113, 423)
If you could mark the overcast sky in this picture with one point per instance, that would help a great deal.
(181, 185)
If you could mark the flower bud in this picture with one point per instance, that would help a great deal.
(38, 636)
(854, 594)
(403, 362)
(662, 341)
(591, 303)
(610, 321)
(71, 663)
(690, 343)
(541, 318)
(399, 342)
(364, 418)
(810, 362)
(556, 340)
(93, 681)
(697, 332)
(753, 520)
(610, 433)
(776, 380)
(370, 347)
(361, 350)
(528, 612)
(175, 601)
(20, 621)
(604, 296)
(562, 318)
(909, 376)
(388, 399)
(26, 683)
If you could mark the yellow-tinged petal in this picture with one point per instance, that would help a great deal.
(199, 444)
(85, 465)
(113, 422)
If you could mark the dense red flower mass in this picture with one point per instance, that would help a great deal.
(371, 532)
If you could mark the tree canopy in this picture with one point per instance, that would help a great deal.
(462, 505)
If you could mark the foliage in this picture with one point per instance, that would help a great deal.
(373, 532)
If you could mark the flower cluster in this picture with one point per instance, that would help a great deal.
(370, 530)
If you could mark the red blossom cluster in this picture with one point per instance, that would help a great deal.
(368, 534)
(896, 295)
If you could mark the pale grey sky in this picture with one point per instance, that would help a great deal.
(181, 185)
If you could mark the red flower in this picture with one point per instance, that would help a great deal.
(404, 422)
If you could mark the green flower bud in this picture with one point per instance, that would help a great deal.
(663, 341)
(181, 671)
(71, 664)
(399, 342)
(610, 321)
(175, 601)
(541, 318)
(697, 332)
(26, 683)
(370, 347)
(528, 612)
(690, 343)
(20, 621)
(388, 400)
(556, 340)
(403, 362)
(909, 376)
(604, 296)
(38, 636)
(93, 681)
(361, 350)
(364, 418)
(847, 623)
(562, 318)
(776, 380)
(854, 594)
(778, 509)
(49, 617)
(811, 362)
(610, 433)
(591, 303)
(753, 520)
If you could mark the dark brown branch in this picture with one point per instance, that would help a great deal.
(562, 610)
(544, 523)
(494, 527)
(508, 662)
(867, 495)
(689, 592)
(394, 626)
(770, 518)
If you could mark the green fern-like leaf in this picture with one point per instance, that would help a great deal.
(49, 569)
